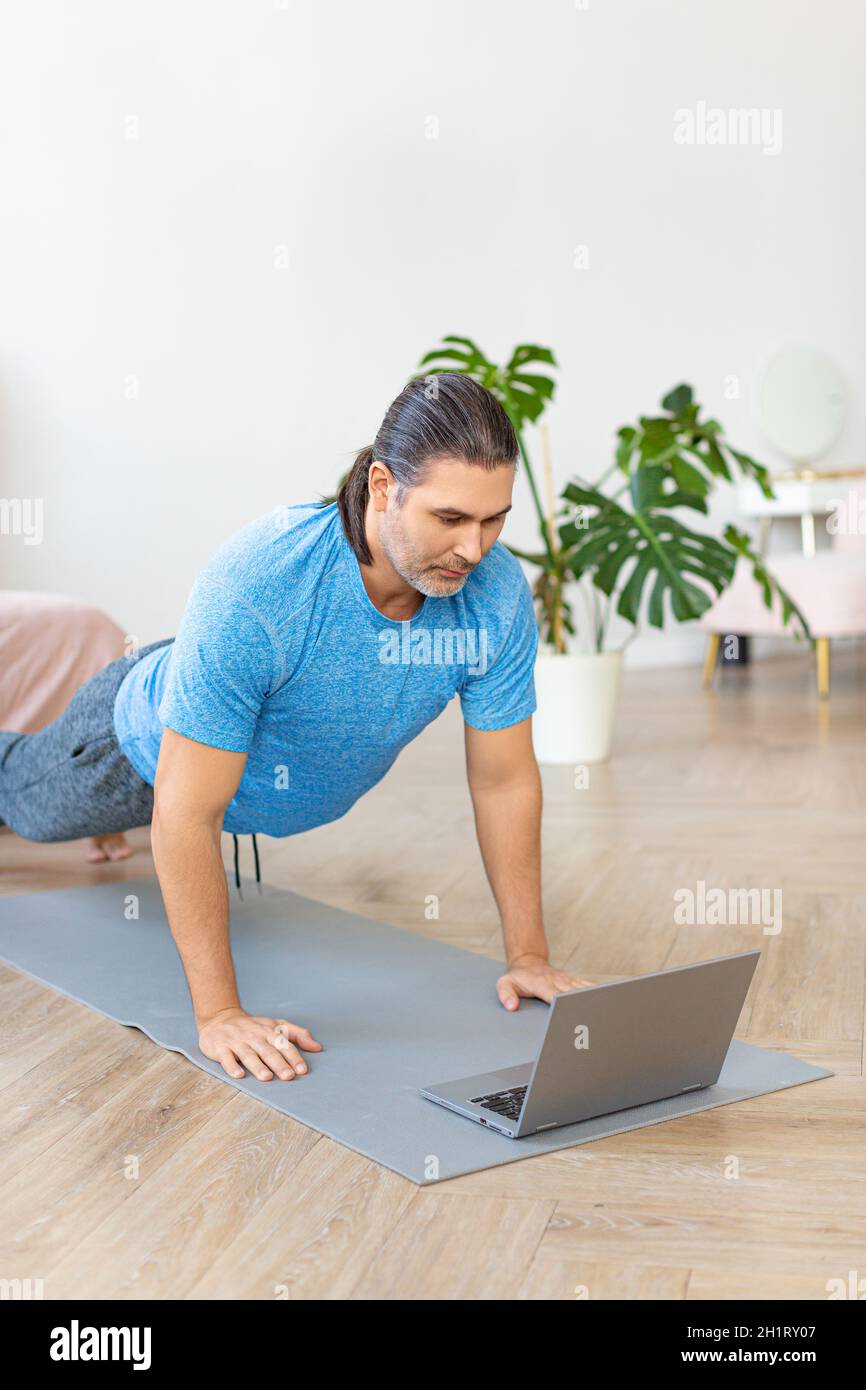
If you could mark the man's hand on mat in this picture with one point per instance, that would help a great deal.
(267, 1047)
(533, 977)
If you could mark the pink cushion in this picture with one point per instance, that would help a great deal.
(49, 646)
(829, 587)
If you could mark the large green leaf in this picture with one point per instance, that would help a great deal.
(530, 352)
(465, 351)
(621, 551)
(678, 400)
(689, 478)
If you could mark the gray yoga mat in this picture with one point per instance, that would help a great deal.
(393, 1011)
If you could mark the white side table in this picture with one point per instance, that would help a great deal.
(805, 494)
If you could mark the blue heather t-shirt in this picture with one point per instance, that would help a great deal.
(282, 655)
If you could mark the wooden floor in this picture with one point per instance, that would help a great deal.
(752, 785)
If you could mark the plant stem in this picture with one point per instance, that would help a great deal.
(542, 520)
(599, 626)
(556, 594)
(605, 623)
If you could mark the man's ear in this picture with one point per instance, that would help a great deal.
(380, 479)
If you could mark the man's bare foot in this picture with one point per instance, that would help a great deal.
(102, 847)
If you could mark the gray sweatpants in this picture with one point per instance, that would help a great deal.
(72, 779)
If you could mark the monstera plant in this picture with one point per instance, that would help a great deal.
(622, 537)
(629, 542)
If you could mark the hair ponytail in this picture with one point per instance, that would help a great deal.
(352, 501)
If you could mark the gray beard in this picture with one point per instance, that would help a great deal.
(408, 564)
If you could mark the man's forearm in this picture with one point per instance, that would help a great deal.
(508, 824)
(193, 882)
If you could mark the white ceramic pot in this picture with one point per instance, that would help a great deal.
(577, 694)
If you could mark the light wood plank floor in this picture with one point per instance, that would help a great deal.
(751, 785)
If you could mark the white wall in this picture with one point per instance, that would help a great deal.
(263, 125)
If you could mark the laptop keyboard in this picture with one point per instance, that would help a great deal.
(505, 1103)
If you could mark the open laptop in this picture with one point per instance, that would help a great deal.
(609, 1047)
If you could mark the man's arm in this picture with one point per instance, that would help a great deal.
(505, 785)
(194, 784)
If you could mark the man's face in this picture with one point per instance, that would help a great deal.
(438, 531)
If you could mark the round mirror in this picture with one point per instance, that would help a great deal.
(801, 403)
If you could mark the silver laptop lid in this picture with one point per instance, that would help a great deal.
(611, 1046)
